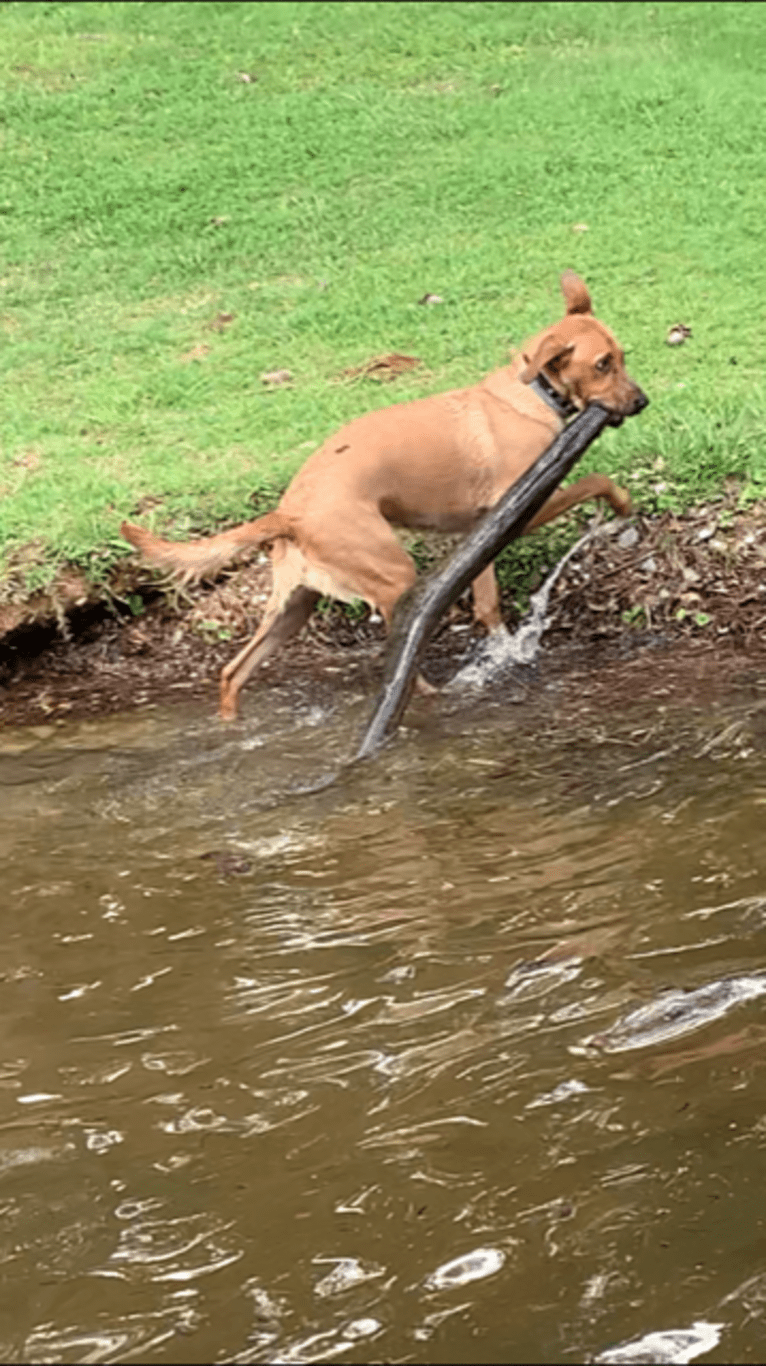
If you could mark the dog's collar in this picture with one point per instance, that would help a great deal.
(562, 407)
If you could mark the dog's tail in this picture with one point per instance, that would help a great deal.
(203, 559)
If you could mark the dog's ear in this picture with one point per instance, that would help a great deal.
(576, 296)
(551, 351)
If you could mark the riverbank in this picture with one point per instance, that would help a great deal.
(675, 589)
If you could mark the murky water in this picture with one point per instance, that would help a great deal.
(458, 1059)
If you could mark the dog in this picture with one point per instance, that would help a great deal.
(437, 463)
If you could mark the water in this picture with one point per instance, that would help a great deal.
(457, 1059)
(503, 650)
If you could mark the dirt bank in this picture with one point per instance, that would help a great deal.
(673, 602)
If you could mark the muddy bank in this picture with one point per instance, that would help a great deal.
(667, 605)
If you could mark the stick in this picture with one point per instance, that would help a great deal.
(419, 611)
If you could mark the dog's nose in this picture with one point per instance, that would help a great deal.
(640, 402)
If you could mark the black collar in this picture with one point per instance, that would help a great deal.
(562, 406)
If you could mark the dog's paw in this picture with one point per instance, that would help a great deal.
(227, 710)
(423, 688)
(624, 505)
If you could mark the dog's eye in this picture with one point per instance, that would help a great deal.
(604, 364)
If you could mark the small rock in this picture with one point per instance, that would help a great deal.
(580, 227)
(648, 565)
(431, 299)
(627, 538)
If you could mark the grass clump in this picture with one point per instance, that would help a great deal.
(310, 171)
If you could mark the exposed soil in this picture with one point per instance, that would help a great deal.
(670, 606)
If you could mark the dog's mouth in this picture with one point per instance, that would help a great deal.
(639, 402)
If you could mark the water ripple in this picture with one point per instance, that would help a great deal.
(472, 1266)
(671, 1347)
(675, 1013)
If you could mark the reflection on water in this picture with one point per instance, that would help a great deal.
(459, 1058)
(676, 1345)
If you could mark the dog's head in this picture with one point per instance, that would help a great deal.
(582, 359)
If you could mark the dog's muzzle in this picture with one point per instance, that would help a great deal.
(637, 406)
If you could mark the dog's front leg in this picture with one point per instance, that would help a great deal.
(486, 599)
(590, 486)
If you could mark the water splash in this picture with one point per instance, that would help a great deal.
(501, 650)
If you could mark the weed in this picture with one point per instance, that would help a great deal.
(213, 630)
(355, 611)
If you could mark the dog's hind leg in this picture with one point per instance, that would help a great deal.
(368, 562)
(282, 621)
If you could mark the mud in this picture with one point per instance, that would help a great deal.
(664, 606)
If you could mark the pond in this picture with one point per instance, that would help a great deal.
(457, 1058)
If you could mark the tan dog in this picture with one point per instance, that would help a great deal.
(435, 463)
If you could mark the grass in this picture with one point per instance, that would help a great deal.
(377, 152)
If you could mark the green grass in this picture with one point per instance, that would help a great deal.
(382, 151)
